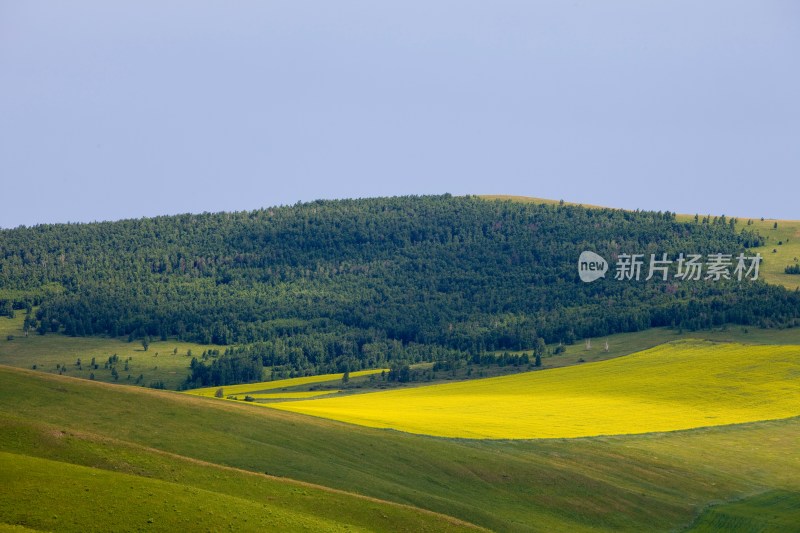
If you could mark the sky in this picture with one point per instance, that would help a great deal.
(112, 110)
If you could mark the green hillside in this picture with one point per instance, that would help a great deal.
(780, 248)
(432, 288)
(656, 482)
(771, 512)
(66, 477)
(331, 286)
(133, 502)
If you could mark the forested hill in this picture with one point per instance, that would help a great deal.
(354, 283)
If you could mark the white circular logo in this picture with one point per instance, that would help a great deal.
(591, 267)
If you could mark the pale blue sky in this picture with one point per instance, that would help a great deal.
(114, 110)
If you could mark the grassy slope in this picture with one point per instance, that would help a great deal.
(776, 257)
(12, 528)
(158, 363)
(129, 502)
(48, 472)
(788, 253)
(654, 482)
(772, 512)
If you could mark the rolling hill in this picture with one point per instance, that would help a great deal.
(661, 432)
(657, 482)
(330, 286)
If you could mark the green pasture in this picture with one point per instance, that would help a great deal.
(770, 512)
(657, 482)
(55, 352)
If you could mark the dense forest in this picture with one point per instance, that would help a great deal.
(348, 284)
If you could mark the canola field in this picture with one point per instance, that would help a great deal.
(297, 395)
(271, 386)
(675, 386)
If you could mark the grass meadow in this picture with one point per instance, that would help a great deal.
(51, 474)
(164, 361)
(770, 512)
(200, 448)
(782, 249)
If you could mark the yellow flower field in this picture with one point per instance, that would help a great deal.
(265, 386)
(680, 385)
(301, 395)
